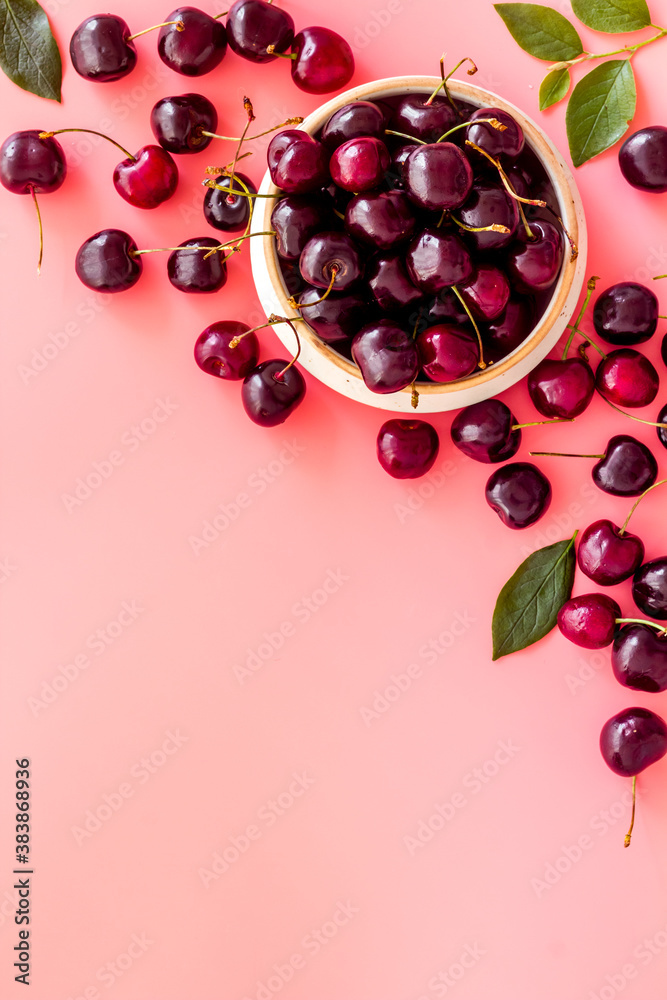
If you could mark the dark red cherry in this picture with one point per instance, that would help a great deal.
(229, 212)
(649, 588)
(386, 355)
(389, 283)
(214, 355)
(381, 219)
(504, 334)
(407, 449)
(639, 657)
(505, 144)
(519, 493)
(105, 262)
(606, 556)
(447, 352)
(662, 431)
(148, 180)
(632, 740)
(352, 121)
(437, 259)
(194, 48)
(297, 163)
(487, 292)
(337, 318)
(295, 219)
(447, 308)
(100, 48)
(324, 61)
(589, 620)
(643, 159)
(359, 164)
(534, 264)
(270, 393)
(178, 123)
(626, 314)
(488, 205)
(413, 116)
(561, 389)
(437, 176)
(190, 270)
(486, 431)
(28, 163)
(328, 251)
(627, 378)
(254, 25)
(627, 469)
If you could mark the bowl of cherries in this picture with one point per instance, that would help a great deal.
(424, 237)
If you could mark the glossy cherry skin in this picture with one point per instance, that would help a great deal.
(407, 449)
(297, 163)
(386, 355)
(148, 180)
(627, 378)
(639, 658)
(626, 314)
(606, 556)
(28, 163)
(105, 262)
(484, 431)
(414, 117)
(178, 123)
(505, 144)
(100, 49)
(295, 219)
(447, 308)
(382, 219)
(437, 259)
(504, 334)
(561, 389)
(627, 469)
(324, 61)
(325, 251)
(338, 318)
(662, 431)
(589, 620)
(253, 25)
(228, 212)
(534, 264)
(190, 270)
(519, 493)
(632, 740)
(643, 159)
(649, 588)
(437, 176)
(197, 48)
(269, 393)
(352, 121)
(359, 164)
(214, 355)
(388, 280)
(487, 292)
(488, 205)
(447, 352)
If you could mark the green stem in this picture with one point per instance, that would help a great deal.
(630, 49)
(90, 131)
(235, 138)
(540, 423)
(242, 194)
(660, 482)
(590, 288)
(402, 135)
(626, 842)
(564, 454)
(165, 24)
(481, 363)
(642, 621)
(498, 125)
(640, 420)
(41, 230)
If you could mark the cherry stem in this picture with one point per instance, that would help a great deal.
(403, 135)
(295, 305)
(217, 16)
(210, 250)
(481, 363)
(662, 629)
(494, 228)
(657, 277)
(89, 131)
(235, 138)
(574, 249)
(414, 396)
(590, 288)
(225, 170)
(478, 121)
(241, 194)
(234, 244)
(640, 420)
(507, 184)
(661, 482)
(630, 49)
(628, 836)
(235, 341)
(271, 50)
(41, 231)
(564, 454)
(539, 423)
(247, 107)
(279, 376)
(165, 24)
(443, 84)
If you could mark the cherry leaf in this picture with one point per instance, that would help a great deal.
(600, 109)
(554, 87)
(613, 16)
(29, 53)
(528, 605)
(541, 31)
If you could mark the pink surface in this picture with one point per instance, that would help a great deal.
(250, 670)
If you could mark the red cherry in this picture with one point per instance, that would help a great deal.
(147, 180)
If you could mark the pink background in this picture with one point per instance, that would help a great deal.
(257, 834)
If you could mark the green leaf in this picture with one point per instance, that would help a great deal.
(29, 53)
(528, 605)
(613, 16)
(600, 109)
(554, 87)
(541, 31)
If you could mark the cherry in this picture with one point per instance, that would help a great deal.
(427, 120)
(272, 391)
(148, 179)
(380, 218)
(215, 356)
(486, 431)
(447, 352)
(437, 176)
(649, 588)
(626, 378)
(561, 388)
(497, 143)
(626, 314)
(489, 205)
(295, 219)
(324, 61)
(29, 164)
(359, 164)
(534, 263)
(504, 334)
(632, 740)
(589, 620)
(627, 467)
(519, 493)
(662, 431)
(255, 25)
(607, 556)
(190, 270)
(386, 355)
(437, 259)
(178, 123)
(446, 307)
(407, 449)
(643, 159)
(101, 48)
(639, 657)
(331, 254)
(338, 317)
(194, 45)
(388, 280)
(106, 261)
(298, 163)
(229, 212)
(352, 121)
(487, 292)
